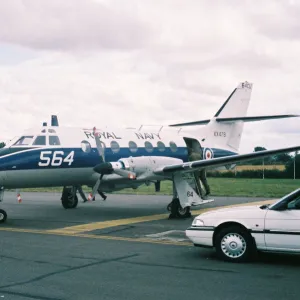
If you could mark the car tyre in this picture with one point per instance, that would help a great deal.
(234, 244)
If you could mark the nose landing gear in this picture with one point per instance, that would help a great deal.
(69, 198)
(3, 214)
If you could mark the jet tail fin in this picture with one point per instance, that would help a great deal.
(235, 108)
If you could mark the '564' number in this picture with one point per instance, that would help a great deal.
(55, 160)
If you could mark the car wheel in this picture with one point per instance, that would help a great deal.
(234, 244)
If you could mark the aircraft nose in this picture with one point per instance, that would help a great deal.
(4, 151)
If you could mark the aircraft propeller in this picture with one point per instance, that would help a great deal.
(104, 167)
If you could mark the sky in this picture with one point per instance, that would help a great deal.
(154, 62)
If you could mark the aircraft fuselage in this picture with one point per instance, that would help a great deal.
(58, 156)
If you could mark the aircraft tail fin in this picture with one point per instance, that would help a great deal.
(227, 135)
(235, 109)
(226, 127)
(236, 105)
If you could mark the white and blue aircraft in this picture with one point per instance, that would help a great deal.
(115, 158)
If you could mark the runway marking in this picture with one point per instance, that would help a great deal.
(107, 224)
(164, 233)
(71, 230)
(78, 231)
(94, 236)
(167, 236)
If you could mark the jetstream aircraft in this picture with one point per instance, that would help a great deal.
(110, 160)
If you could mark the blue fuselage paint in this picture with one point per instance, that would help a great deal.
(29, 158)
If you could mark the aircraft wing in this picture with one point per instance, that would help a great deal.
(215, 162)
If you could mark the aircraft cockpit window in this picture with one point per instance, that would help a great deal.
(133, 146)
(54, 140)
(40, 140)
(115, 147)
(173, 147)
(148, 146)
(23, 141)
(161, 146)
(51, 131)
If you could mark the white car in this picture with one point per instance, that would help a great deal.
(239, 232)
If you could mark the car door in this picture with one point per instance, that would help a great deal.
(282, 227)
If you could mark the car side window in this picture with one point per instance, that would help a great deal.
(294, 204)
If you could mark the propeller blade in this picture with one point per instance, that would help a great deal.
(100, 148)
(95, 188)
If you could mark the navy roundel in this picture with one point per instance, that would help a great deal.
(208, 153)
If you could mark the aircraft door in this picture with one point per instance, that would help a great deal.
(195, 151)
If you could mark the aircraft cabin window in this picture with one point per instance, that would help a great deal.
(161, 146)
(115, 147)
(173, 147)
(23, 141)
(86, 146)
(40, 140)
(148, 146)
(54, 140)
(133, 146)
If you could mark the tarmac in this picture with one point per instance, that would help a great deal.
(125, 248)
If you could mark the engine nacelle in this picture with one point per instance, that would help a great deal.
(143, 166)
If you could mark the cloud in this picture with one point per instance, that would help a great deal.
(116, 63)
(279, 20)
(69, 25)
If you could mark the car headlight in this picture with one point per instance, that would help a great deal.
(198, 222)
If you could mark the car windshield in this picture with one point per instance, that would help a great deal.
(286, 199)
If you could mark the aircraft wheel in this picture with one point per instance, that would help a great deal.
(169, 207)
(75, 202)
(68, 201)
(184, 212)
(3, 216)
(177, 211)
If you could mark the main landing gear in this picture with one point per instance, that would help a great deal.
(177, 211)
(184, 197)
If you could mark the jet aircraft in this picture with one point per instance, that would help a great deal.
(116, 158)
